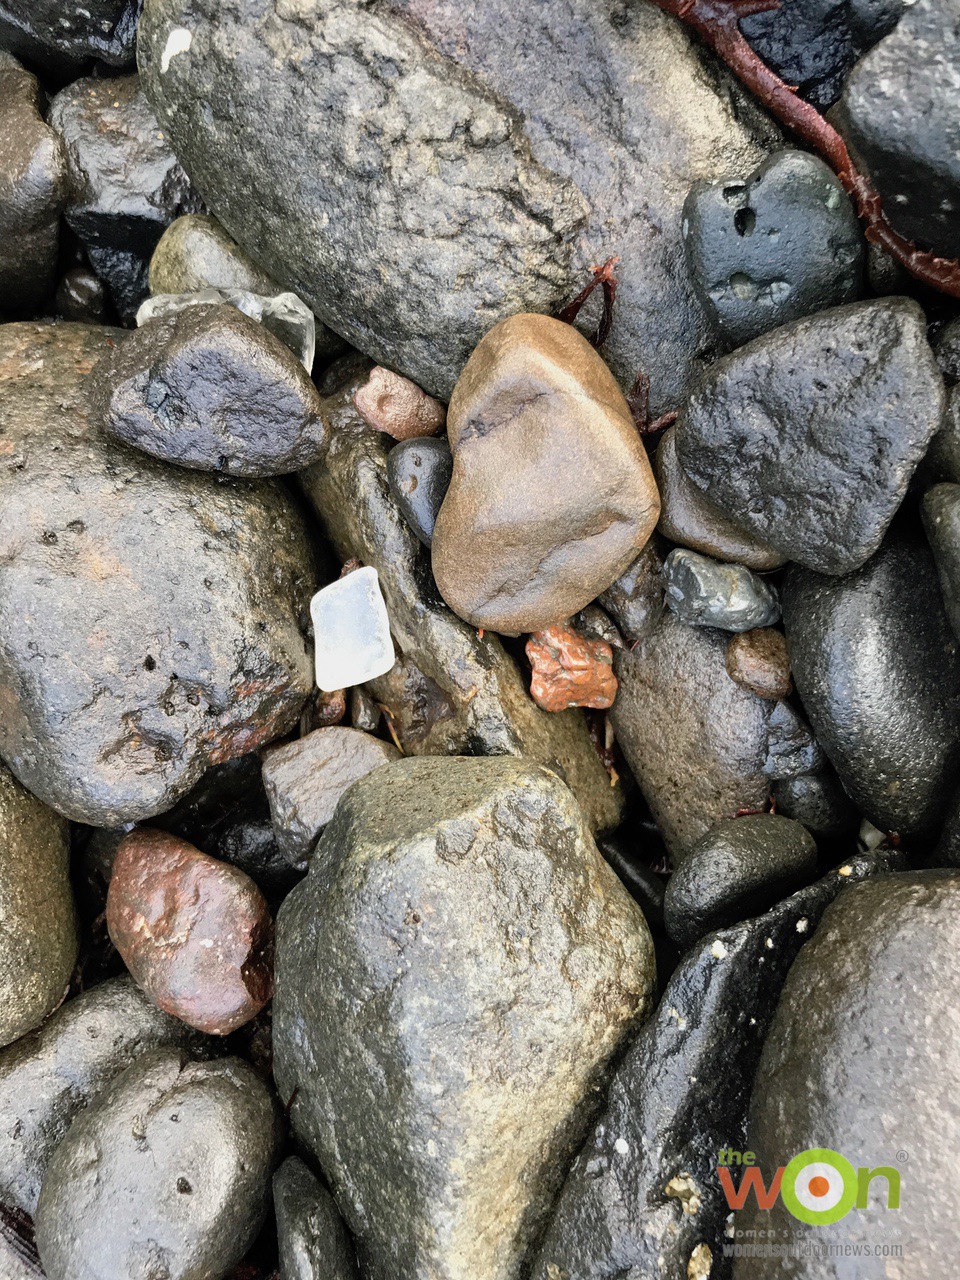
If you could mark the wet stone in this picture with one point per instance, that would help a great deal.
(689, 518)
(64, 39)
(33, 190)
(394, 404)
(783, 243)
(304, 781)
(38, 932)
(941, 520)
(738, 869)
(809, 44)
(351, 631)
(635, 601)
(282, 314)
(126, 185)
(81, 297)
(453, 861)
(48, 1077)
(759, 660)
(678, 1097)
(705, 593)
(885, 712)
(196, 253)
(900, 115)
(314, 1244)
(536, 404)
(209, 388)
(570, 670)
(810, 435)
(861, 1049)
(419, 472)
(191, 1144)
(195, 933)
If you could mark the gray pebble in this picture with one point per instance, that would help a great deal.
(706, 593)
(314, 1243)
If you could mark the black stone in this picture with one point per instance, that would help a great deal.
(861, 1058)
(48, 1077)
(740, 867)
(818, 801)
(941, 519)
(419, 473)
(62, 40)
(314, 1243)
(877, 668)
(780, 244)
(678, 1097)
(808, 436)
(165, 1130)
(635, 601)
(210, 389)
(900, 115)
(808, 43)
(81, 297)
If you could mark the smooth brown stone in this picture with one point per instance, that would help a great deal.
(552, 496)
(391, 403)
(759, 661)
(195, 933)
(690, 520)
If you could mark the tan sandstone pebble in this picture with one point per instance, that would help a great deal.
(690, 520)
(552, 496)
(758, 660)
(570, 670)
(397, 406)
(195, 933)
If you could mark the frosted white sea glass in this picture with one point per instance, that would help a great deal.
(351, 631)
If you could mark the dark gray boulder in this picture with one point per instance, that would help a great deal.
(314, 1244)
(454, 976)
(861, 1059)
(809, 436)
(210, 389)
(152, 619)
(497, 183)
(48, 1077)
(167, 1173)
(770, 248)
(900, 114)
(33, 190)
(642, 1200)
(739, 867)
(63, 39)
(876, 666)
(38, 930)
(451, 692)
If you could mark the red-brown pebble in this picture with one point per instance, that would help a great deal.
(398, 406)
(758, 660)
(195, 933)
(570, 671)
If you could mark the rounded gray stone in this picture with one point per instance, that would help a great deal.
(167, 1173)
(314, 1244)
(705, 593)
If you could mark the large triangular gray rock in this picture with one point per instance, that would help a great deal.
(417, 172)
(454, 976)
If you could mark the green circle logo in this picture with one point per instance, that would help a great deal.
(819, 1186)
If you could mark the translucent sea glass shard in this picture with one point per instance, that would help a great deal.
(351, 631)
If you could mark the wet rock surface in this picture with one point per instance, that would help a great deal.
(535, 399)
(419, 472)
(195, 252)
(146, 1141)
(48, 1077)
(884, 712)
(451, 691)
(941, 519)
(304, 781)
(64, 39)
(635, 601)
(739, 868)
(643, 1193)
(33, 189)
(314, 1244)
(899, 114)
(704, 593)
(861, 1057)
(209, 388)
(397, 406)
(38, 932)
(512, 183)
(195, 933)
(772, 247)
(760, 661)
(464, 905)
(809, 435)
(570, 670)
(122, 718)
(125, 184)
